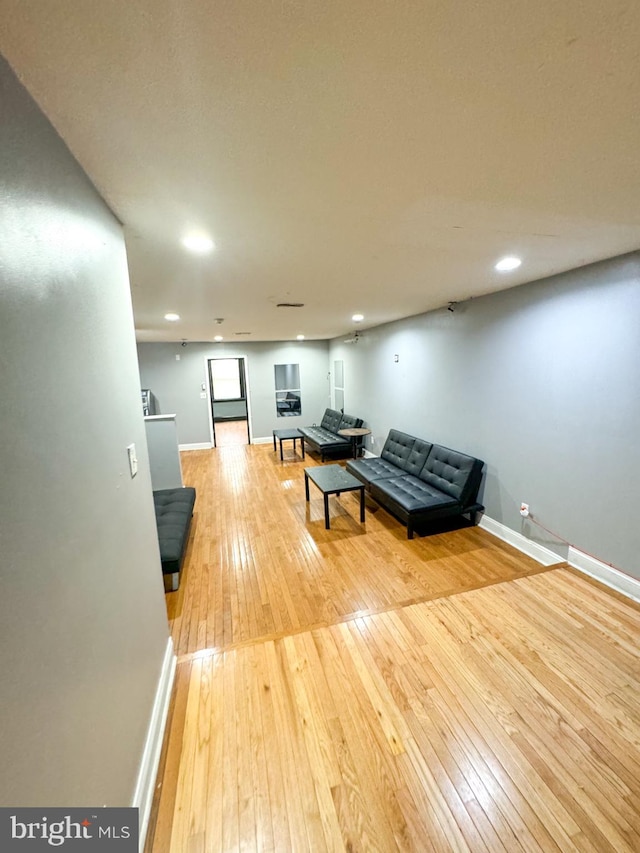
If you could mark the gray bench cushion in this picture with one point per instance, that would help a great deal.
(174, 508)
(367, 470)
(323, 437)
(411, 494)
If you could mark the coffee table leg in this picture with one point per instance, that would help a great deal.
(302, 445)
(281, 450)
(326, 511)
(306, 484)
(362, 505)
(274, 443)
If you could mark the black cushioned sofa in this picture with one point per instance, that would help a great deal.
(325, 439)
(418, 481)
(174, 508)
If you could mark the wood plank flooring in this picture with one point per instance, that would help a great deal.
(261, 564)
(443, 694)
(231, 433)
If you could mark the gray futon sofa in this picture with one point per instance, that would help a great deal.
(418, 481)
(325, 439)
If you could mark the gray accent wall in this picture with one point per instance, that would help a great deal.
(543, 383)
(82, 614)
(178, 383)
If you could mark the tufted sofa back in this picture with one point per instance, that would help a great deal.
(453, 473)
(405, 451)
(349, 422)
(331, 420)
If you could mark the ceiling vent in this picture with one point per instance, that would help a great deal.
(290, 305)
(242, 333)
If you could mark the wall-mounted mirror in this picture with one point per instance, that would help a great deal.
(287, 382)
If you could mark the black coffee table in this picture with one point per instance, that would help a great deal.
(331, 480)
(287, 435)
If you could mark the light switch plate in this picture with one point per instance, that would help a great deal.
(133, 460)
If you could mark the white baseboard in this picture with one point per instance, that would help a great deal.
(201, 445)
(145, 785)
(527, 546)
(607, 575)
(263, 440)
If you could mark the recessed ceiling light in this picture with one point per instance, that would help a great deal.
(357, 318)
(198, 243)
(508, 264)
(171, 316)
(299, 337)
(218, 338)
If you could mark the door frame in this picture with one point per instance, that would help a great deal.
(247, 389)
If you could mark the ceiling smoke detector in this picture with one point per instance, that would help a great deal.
(218, 320)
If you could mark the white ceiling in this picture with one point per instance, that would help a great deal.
(353, 155)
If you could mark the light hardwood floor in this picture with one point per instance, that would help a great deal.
(231, 433)
(351, 690)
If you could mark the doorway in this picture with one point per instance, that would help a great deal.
(229, 402)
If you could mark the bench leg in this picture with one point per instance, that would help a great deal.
(171, 582)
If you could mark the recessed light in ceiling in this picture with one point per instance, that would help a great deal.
(299, 337)
(218, 338)
(357, 318)
(198, 243)
(171, 316)
(508, 264)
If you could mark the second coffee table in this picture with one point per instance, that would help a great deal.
(331, 480)
(287, 435)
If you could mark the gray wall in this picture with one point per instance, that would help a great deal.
(177, 384)
(82, 613)
(542, 382)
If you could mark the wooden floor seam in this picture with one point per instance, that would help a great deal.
(363, 614)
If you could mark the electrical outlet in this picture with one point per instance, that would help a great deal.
(524, 510)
